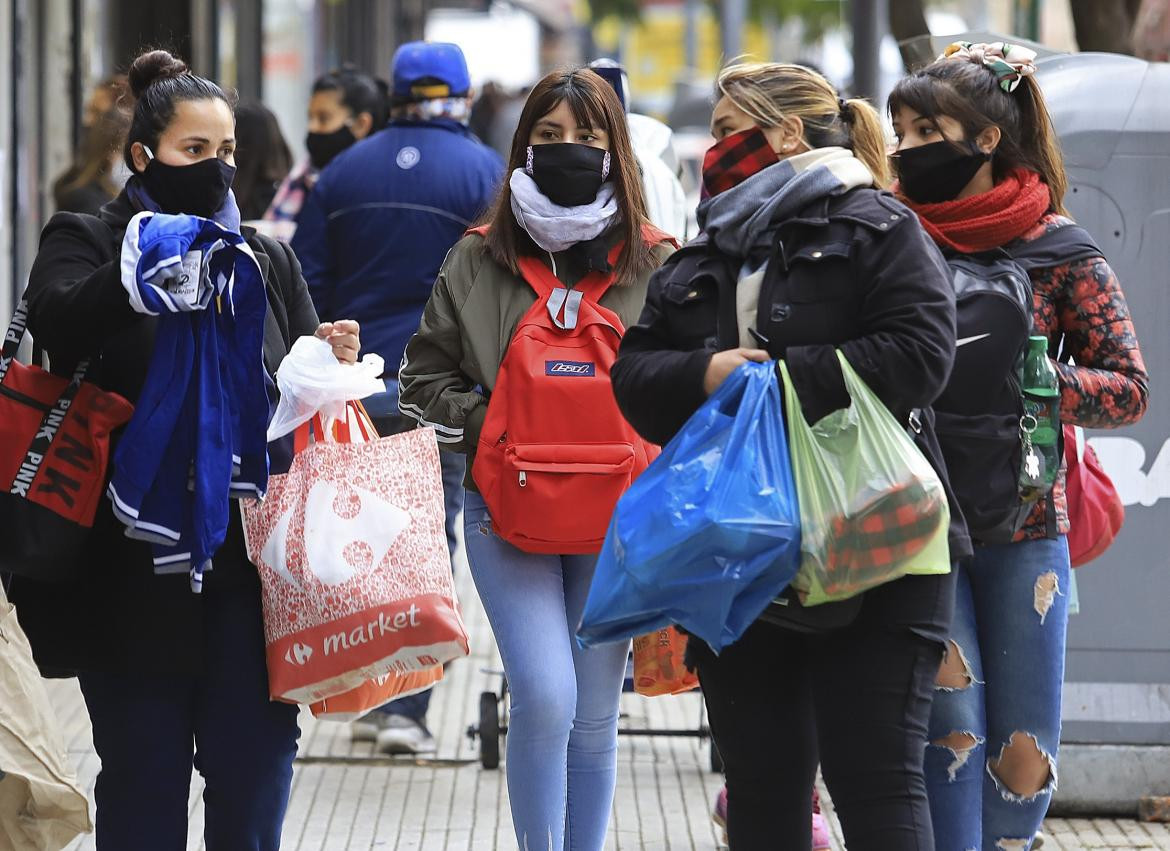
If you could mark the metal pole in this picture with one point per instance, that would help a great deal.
(868, 21)
(733, 17)
(1027, 19)
(691, 11)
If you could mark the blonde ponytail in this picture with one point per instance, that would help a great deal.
(869, 139)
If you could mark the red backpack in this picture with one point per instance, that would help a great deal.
(555, 452)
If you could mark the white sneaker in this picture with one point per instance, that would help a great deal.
(366, 728)
(1038, 840)
(402, 735)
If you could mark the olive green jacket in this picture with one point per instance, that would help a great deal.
(450, 365)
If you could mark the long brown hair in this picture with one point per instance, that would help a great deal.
(969, 92)
(96, 153)
(771, 91)
(593, 104)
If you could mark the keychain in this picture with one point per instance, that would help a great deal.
(1033, 468)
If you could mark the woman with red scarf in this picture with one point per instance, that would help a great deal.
(978, 161)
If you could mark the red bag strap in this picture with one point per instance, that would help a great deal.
(594, 285)
(314, 430)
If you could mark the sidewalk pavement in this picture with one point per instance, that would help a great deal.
(346, 797)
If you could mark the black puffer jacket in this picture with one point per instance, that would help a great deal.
(119, 616)
(854, 272)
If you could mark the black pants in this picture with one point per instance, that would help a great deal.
(149, 729)
(857, 700)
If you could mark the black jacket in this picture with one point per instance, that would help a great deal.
(854, 272)
(120, 616)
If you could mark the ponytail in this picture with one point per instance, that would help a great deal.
(868, 139)
(1039, 141)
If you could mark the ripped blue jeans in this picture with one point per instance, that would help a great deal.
(995, 721)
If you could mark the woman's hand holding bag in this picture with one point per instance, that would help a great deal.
(709, 534)
(872, 509)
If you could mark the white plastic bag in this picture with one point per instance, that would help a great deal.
(311, 380)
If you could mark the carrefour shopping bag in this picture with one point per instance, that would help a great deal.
(353, 562)
(710, 533)
(872, 508)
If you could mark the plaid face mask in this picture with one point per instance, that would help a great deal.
(734, 159)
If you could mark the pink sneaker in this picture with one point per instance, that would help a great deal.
(720, 814)
(820, 833)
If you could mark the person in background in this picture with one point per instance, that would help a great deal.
(345, 107)
(573, 204)
(110, 92)
(171, 679)
(821, 260)
(371, 239)
(262, 159)
(653, 142)
(92, 180)
(978, 160)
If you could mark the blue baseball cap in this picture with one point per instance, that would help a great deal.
(429, 69)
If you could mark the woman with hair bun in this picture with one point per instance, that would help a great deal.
(171, 678)
(979, 162)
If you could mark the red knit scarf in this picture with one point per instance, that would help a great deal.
(988, 220)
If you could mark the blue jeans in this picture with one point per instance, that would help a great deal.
(562, 729)
(383, 410)
(149, 729)
(998, 698)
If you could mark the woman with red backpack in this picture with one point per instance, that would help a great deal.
(980, 164)
(510, 366)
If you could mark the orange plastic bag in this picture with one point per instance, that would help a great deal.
(658, 664)
(371, 694)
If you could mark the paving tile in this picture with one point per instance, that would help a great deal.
(345, 796)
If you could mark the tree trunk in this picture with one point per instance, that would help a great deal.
(908, 21)
(1104, 25)
(1151, 35)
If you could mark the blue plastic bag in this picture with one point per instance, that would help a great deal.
(709, 534)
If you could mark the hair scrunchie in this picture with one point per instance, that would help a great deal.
(1010, 63)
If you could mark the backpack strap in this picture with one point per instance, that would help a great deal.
(1065, 244)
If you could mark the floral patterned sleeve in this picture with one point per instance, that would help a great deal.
(1107, 387)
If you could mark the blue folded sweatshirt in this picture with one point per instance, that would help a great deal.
(197, 437)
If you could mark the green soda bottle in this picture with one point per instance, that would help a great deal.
(1040, 427)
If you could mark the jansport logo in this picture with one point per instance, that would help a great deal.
(584, 369)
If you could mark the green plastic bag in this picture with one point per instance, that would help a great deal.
(872, 509)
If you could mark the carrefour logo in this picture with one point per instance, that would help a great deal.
(584, 369)
(298, 654)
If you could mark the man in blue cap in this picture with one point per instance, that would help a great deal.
(371, 238)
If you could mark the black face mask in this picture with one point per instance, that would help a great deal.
(323, 147)
(931, 174)
(568, 174)
(199, 189)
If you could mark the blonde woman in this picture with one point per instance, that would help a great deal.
(809, 256)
